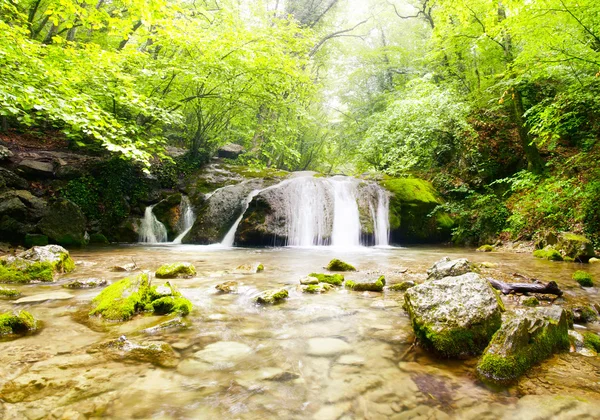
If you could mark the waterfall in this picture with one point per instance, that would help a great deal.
(307, 216)
(346, 220)
(230, 236)
(381, 219)
(187, 218)
(151, 230)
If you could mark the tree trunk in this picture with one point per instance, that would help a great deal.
(534, 160)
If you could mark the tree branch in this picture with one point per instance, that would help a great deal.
(337, 34)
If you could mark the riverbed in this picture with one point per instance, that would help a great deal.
(342, 354)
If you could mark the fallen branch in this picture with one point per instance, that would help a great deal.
(550, 288)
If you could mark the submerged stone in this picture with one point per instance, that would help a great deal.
(327, 347)
(85, 283)
(485, 248)
(447, 268)
(44, 297)
(155, 352)
(402, 287)
(316, 288)
(249, 268)
(227, 287)
(176, 270)
(124, 268)
(309, 280)
(9, 293)
(127, 297)
(527, 337)
(339, 265)
(21, 323)
(366, 286)
(40, 263)
(454, 316)
(223, 354)
(335, 279)
(270, 297)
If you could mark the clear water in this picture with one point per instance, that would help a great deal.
(52, 375)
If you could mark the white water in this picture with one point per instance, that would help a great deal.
(346, 220)
(306, 208)
(188, 217)
(381, 219)
(230, 237)
(151, 230)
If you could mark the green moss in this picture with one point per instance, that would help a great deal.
(335, 279)
(316, 288)
(9, 293)
(574, 237)
(339, 265)
(485, 248)
(170, 304)
(548, 253)
(373, 286)
(412, 190)
(17, 324)
(401, 287)
(171, 271)
(260, 267)
(568, 259)
(270, 297)
(583, 278)
(530, 301)
(39, 271)
(591, 341)
(444, 221)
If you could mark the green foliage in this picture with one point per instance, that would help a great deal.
(371, 286)
(583, 278)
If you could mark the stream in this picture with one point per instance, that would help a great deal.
(342, 354)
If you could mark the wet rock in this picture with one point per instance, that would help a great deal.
(40, 263)
(591, 341)
(594, 260)
(271, 297)
(402, 287)
(36, 169)
(127, 297)
(43, 297)
(526, 337)
(172, 324)
(327, 347)
(582, 314)
(176, 270)
(249, 268)
(530, 301)
(548, 253)
(155, 352)
(485, 248)
(351, 360)
(339, 265)
(128, 231)
(223, 354)
(248, 379)
(351, 387)
(64, 223)
(9, 293)
(9, 179)
(575, 246)
(5, 153)
(124, 268)
(583, 278)
(168, 212)
(334, 279)
(578, 344)
(316, 288)
(85, 283)
(227, 287)
(454, 316)
(309, 280)
(447, 268)
(13, 323)
(230, 151)
(366, 286)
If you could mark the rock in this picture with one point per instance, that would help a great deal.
(85, 283)
(270, 297)
(485, 248)
(316, 288)
(583, 278)
(578, 344)
(334, 279)
(124, 268)
(168, 212)
(35, 240)
(176, 270)
(172, 324)
(448, 268)
(227, 287)
(98, 239)
(249, 268)
(9, 293)
(12, 207)
(40, 263)
(64, 223)
(575, 246)
(370, 286)
(582, 314)
(5, 153)
(127, 231)
(230, 151)
(454, 316)
(127, 297)
(548, 253)
(327, 347)
(309, 280)
(526, 337)
(591, 341)
(351, 360)
(338, 265)
(402, 287)
(155, 352)
(223, 354)
(43, 297)
(9, 179)
(21, 323)
(594, 260)
(36, 169)
(530, 301)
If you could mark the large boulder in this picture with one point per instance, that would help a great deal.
(447, 268)
(454, 316)
(35, 169)
(19, 212)
(230, 151)
(412, 200)
(527, 337)
(9, 179)
(127, 231)
(64, 223)
(575, 246)
(168, 212)
(13, 323)
(40, 263)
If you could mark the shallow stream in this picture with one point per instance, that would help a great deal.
(338, 355)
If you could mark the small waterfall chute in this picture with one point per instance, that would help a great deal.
(381, 219)
(229, 238)
(346, 219)
(187, 219)
(151, 229)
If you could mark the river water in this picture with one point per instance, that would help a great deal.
(337, 355)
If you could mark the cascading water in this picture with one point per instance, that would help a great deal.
(346, 220)
(187, 219)
(381, 219)
(307, 204)
(230, 236)
(151, 229)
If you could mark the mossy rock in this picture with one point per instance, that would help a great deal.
(316, 288)
(581, 314)
(64, 224)
(36, 264)
(9, 293)
(227, 287)
(548, 253)
(447, 267)
(21, 323)
(249, 268)
(271, 297)
(454, 317)
(591, 341)
(85, 283)
(485, 248)
(127, 297)
(368, 286)
(334, 279)
(583, 278)
(575, 246)
(176, 270)
(594, 260)
(530, 301)
(527, 337)
(402, 287)
(339, 265)
(308, 280)
(411, 204)
(157, 353)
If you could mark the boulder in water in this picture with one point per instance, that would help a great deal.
(575, 246)
(548, 253)
(21, 323)
(64, 223)
(526, 337)
(454, 316)
(176, 270)
(40, 263)
(334, 279)
(271, 297)
(124, 268)
(85, 283)
(447, 268)
(339, 265)
(249, 268)
(309, 280)
(316, 288)
(402, 286)
(227, 287)
(366, 286)
(9, 293)
(155, 352)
